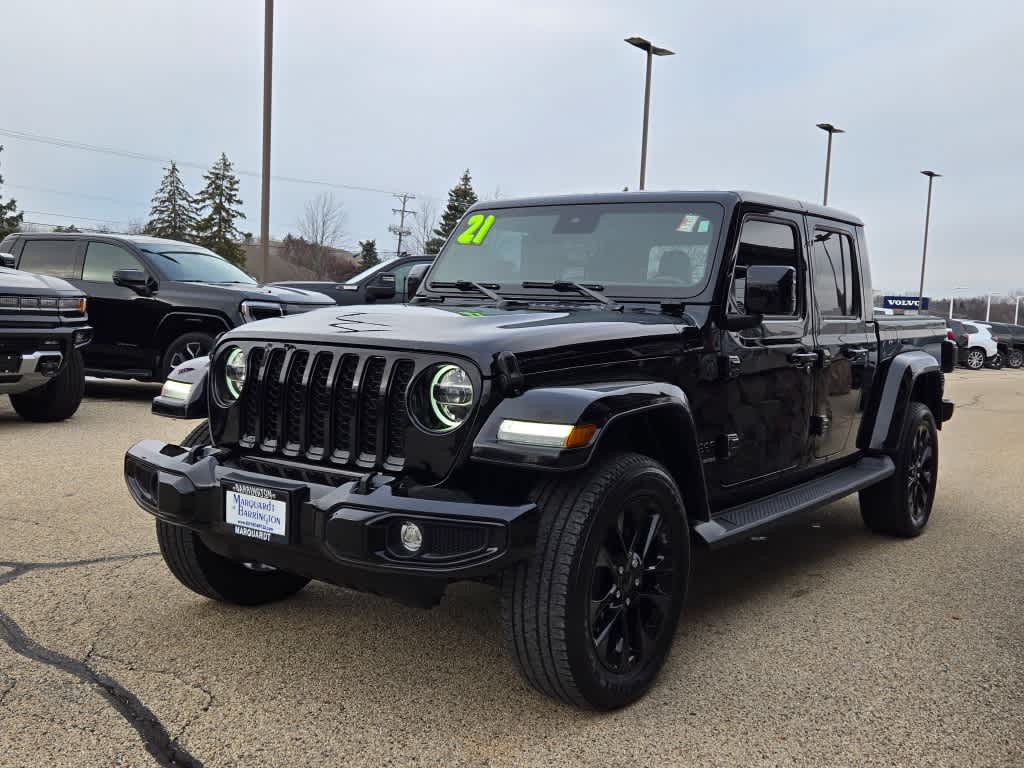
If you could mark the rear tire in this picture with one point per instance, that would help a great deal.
(186, 347)
(1015, 359)
(901, 505)
(975, 358)
(211, 575)
(59, 398)
(590, 618)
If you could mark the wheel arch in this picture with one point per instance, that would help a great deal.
(654, 419)
(175, 324)
(913, 376)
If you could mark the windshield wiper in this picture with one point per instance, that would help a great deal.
(565, 286)
(486, 289)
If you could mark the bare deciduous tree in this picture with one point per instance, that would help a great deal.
(426, 221)
(322, 226)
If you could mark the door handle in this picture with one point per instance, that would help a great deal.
(803, 359)
(857, 354)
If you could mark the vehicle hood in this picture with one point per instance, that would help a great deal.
(31, 284)
(542, 339)
(278, 293)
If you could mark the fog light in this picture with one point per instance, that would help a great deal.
(48, 365)
(412, 537)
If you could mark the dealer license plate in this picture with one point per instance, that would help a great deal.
(255, 511)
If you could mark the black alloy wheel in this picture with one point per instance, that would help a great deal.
(920, 476)
(1015, 359)
(186, 347)
(630, 595)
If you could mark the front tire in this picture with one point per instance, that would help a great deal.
(975, 359)
(211, 575)
(186, 347)
(590, 618)
(59, 398)
(901, 505)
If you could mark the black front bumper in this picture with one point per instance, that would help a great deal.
(346, 534)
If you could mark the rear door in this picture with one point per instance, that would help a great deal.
(59, 257)
(846, 345)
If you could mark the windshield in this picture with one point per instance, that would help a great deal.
(196, 265)
(642, 249)
(360, 276)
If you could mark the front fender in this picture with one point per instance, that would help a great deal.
(196, 374)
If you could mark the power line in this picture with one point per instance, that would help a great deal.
(77, 218)
(84, 196)
(131, 155)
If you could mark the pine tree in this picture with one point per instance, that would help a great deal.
(174, 211)
(460, 198)
(219, 210)
(9, 219)
(368, 254)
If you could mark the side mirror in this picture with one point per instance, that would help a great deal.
(381, 287)
(8, 260)
(415, 279)
(770, 290)
(136, 279)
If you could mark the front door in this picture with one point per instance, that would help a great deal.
(846, 346)
(122, 320)
(763, 407)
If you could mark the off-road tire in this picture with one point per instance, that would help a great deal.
(59, 398)
(975, 359)
(1015, 359)
(211, 575)
(887, 507)
(184, 348)
(545, 600)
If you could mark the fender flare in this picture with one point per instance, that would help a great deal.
(607, 406)
(184, 317)
(196, 373)
(882, 431)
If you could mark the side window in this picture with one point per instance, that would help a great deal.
(836, 283)
(401, 275)
(765, 243)
(103, 259)
(50, 257)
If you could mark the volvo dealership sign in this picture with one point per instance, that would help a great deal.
(903, 302)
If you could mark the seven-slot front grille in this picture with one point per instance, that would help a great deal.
(339, 406)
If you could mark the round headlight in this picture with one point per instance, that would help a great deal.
(234, 373)
(442, 397)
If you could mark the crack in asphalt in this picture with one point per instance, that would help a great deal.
(155, 738)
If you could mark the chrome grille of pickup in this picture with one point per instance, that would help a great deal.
(337, 407)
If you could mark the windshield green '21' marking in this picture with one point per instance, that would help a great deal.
(476, 229)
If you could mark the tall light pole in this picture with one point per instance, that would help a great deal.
(268, 77)
(1016, 310)
(952, 298)
(988, 306)
(932, 175)
(652, 51)
(829, 129)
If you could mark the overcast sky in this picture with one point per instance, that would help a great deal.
(537, 97)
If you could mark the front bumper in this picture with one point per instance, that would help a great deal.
(344, 534)
(30, 357)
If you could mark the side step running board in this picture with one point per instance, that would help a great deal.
(739, 521)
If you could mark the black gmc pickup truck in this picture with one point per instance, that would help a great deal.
(43, 326)
(581, 389)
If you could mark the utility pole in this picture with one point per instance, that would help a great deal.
(401, 230)
(268, 77)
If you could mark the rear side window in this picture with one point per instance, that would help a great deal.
(49, 257)
(970, 328)
(836, 284)
(103, 259)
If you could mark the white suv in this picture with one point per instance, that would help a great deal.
(977, 347)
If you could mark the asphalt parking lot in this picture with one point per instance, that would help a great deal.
(818, 644)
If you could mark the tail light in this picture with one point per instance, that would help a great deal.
(950, 335)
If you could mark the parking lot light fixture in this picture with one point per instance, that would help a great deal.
(932, 175)
(652, 51)
(988, 305)
(830, 130)
(952, 298)
(1016, 311)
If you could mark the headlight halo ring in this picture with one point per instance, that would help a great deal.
(232, 373)
(441, 398)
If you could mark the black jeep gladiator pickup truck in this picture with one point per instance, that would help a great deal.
(43, 325)
(580, 390)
